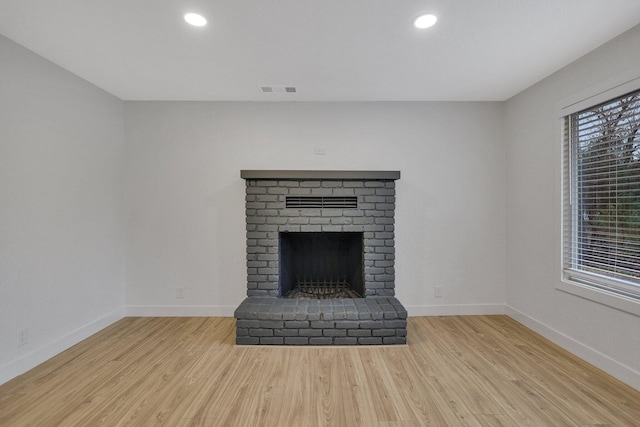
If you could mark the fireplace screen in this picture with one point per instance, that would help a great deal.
(321, 265)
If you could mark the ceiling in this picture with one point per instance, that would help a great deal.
(330, 50)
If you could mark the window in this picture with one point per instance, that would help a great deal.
(601, 224)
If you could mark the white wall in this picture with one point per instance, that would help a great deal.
(61, 208)
(185, 197)
(607, 337)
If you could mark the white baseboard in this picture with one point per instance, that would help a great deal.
(180, 310)
(612, 367)
(46, 352)
(454, 310)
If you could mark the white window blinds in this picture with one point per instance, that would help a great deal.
(602, 196)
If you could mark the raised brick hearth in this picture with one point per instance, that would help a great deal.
(283, 202)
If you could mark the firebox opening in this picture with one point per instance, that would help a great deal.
(321, 265)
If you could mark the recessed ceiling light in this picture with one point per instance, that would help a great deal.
(425, 21)
(195, 19)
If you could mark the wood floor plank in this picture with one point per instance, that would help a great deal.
(482, 371)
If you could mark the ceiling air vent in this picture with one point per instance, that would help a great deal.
(322, 202)
(278, 89)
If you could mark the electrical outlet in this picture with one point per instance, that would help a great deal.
(22, 337)
(179, 293)
(437, 291)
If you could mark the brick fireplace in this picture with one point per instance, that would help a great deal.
(320, 259)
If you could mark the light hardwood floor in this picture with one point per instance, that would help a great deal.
(455, 371)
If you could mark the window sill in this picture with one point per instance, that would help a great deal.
(600, 296)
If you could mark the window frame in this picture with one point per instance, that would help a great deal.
(575, 283)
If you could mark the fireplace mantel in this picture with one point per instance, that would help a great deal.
(319, 174)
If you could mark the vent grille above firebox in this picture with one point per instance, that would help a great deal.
(321, 202)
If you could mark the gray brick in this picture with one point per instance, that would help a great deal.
(371, 324)
(334, 332)
(377, 315)
(345, 341)
(311, 228)
(351, 313)
(255, 205)
(245, 323)
(299, 191)
(310, 212)
(298, 221)
(271, 340)
(289, 183)
(242, 332)
(256, 264)
(395, 323)
(296, 324)
(310, 184)
(322, 324)
(296, 340)
(363, 220)
(266, 198)
(374, 199)
(343, 192)
(359, 332)
(347, 324)
(271, 324)
(370, 340)
(385, 206)
(310, 332)
(277, 190)
(256, 190)
(341, 221)
(321, 341)
(261, 332)
(266, 183)
(401, 332)
(353, 184)
(327, 315)
(285, 332)
(247, 340)
(276, 220)
(319, 220)
(384, 235)
(374, 184)
(384, 249)
(383, 332)
(321, 191)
